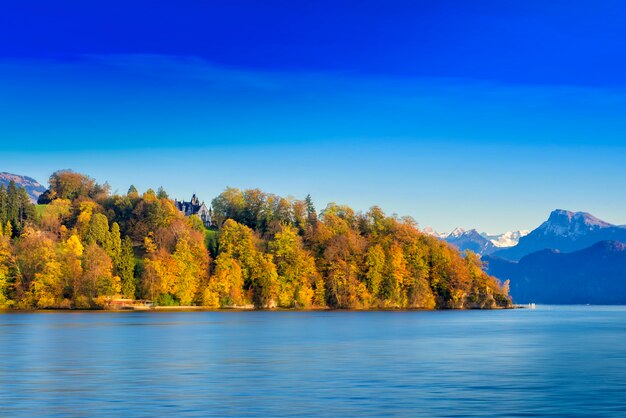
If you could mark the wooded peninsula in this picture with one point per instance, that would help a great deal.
(83, 247)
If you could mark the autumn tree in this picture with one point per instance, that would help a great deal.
(71, 254)
(55, 215)
(375, 263)
(66, 184)
(239, 241)
(159, 274)
(97, 284)
(392, 284)
(228, 205)
(343, 258)
(258, 269)
(35, 256)
(225, 286)
(8, 229)
(296, 270)
(46, 289)
(263, 279)
(188, 273)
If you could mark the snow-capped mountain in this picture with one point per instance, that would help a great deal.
(570, 224)
(457, 232)
(508, 239)
(470, 240)
(480, 243)
(565, 231)
(572, 257)
(430, 231)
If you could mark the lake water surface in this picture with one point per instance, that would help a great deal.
(563, 361)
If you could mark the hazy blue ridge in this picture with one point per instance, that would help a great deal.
(594, 275)
(564, 231)
(32, 186)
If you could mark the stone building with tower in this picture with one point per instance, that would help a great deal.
(195, 207)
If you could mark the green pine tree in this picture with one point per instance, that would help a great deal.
(125, 268)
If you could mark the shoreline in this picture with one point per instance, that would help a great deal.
(246, 309)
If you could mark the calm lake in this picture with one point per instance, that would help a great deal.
(563, 361)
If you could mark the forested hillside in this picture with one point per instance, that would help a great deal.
(85, 247)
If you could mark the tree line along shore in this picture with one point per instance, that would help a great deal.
(86, 248)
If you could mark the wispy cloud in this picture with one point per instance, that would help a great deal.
(144, 96)
(196, 69)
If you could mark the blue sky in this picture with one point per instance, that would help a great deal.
(474, 114)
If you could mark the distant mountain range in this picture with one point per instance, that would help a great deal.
(564, 231)
(430, 231)
(573, 257)
(594, 275)
(508, 239)
(470, 240)
(480, 243)
(33, 188)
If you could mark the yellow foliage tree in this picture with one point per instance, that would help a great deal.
(188, 274)
(8, 230)
(263, 279)
(375, 263)
(160, 274)
(71, 253)
(225, 286)
(55, 214)
(5, 259)
(295, 268)
(47, 287)
(98, 284)
(85, 212)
